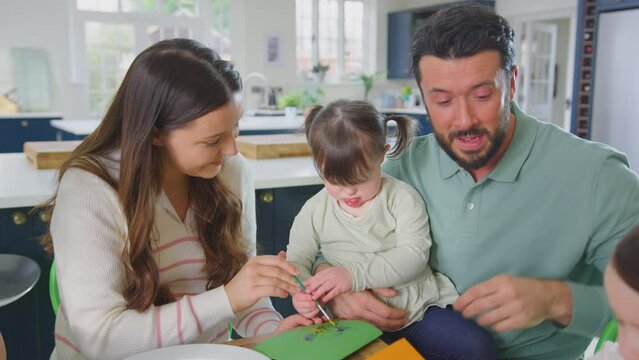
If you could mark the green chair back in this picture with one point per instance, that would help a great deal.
(53, 289)
(609, 333)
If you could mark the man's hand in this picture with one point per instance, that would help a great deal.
(507, 302)
(365, 306)
(329, 282)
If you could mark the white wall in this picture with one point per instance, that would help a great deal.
(508, 8)
(252, 20)
(42, 24)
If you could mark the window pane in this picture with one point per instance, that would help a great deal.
(180, 7)
(328, 35)
(220, 28)
(139, 5)
(353, 38)
(156, 33)
(98, 5)
(304, 36)
(110, 51)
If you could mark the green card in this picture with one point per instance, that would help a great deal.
(321, 341)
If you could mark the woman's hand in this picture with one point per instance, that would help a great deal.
(294, 321)
(330, 282)
(261, 276)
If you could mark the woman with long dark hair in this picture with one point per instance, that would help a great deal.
(153, 221)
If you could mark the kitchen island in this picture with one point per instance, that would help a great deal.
(282, 187)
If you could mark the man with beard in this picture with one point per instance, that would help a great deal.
(523, 215)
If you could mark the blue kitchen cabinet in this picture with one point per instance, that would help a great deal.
(27, 324)
(15, 131)
(276, 210)
(401, 26)
(400, 32)
(64, 135)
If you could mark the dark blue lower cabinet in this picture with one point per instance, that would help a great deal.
(276, 210)
(14, 133)
(27, 324)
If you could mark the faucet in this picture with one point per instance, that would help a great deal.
(263, 102)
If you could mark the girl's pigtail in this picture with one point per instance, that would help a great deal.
(406, 129)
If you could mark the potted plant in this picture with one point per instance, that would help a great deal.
(407, 97)
(369, 80)
(311, 97)
(290, 102)
(320, 71)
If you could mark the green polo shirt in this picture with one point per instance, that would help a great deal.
(554, 207)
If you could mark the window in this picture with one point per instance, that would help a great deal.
(331, 33)
(107, 34)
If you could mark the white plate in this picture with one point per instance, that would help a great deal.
(200, 352)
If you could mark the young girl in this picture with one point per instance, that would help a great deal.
(374, 231)
(154, 222)
(622, 287)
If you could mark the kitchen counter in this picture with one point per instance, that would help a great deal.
(22, 185)
(247, 123)
(31, 116)
(411, 111)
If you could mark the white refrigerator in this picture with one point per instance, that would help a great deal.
(615, 107)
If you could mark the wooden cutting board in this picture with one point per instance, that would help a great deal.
(49, 154)
(273, 146)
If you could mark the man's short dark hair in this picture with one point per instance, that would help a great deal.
(462, 31)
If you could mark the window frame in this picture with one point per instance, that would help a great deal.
(199, 26)
(368, 46)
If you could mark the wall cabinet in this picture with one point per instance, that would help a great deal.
(15, 131)
(401, 26)
(400, 31)
(27, 324)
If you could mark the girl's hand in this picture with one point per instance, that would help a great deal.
(294, 321)
(261, 276)
(305, 305)
(329, 283)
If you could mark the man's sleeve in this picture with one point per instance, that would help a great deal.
(614, 212)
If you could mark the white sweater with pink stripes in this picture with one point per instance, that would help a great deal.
(89, 232)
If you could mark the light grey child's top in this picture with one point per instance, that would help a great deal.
(387, 247)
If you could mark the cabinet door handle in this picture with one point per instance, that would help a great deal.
(45, 216)
(19, 218)
(24, 123)
(266, 197)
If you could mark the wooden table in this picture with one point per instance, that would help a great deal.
(361, 354)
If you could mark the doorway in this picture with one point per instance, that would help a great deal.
(545, 51)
